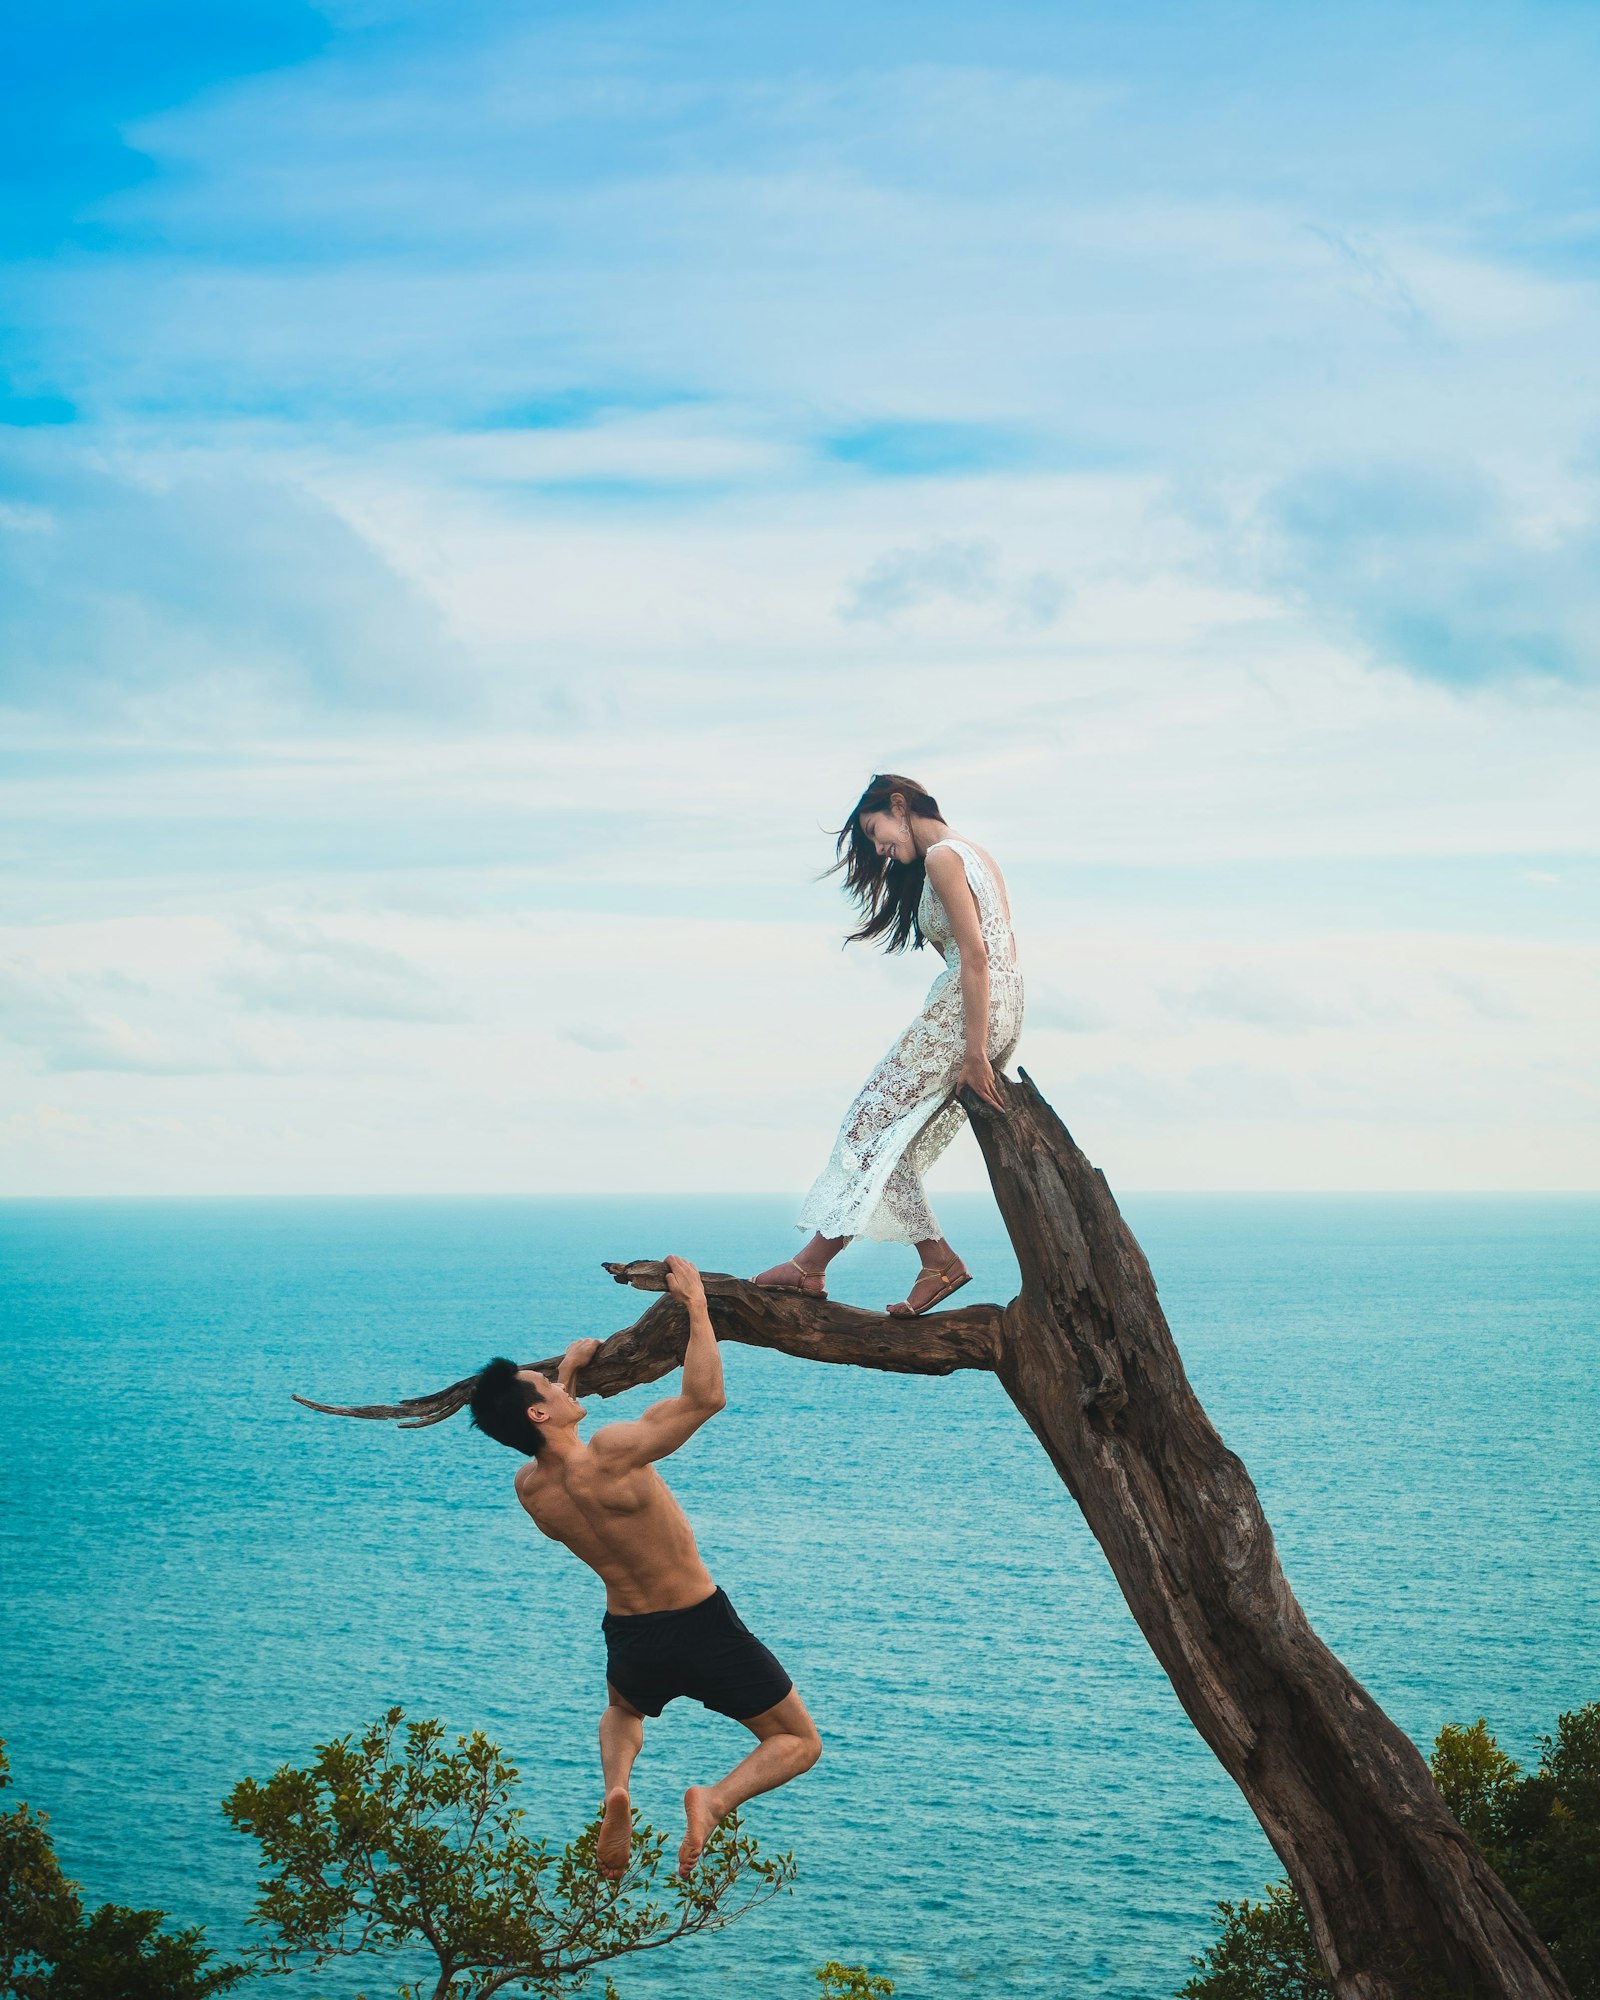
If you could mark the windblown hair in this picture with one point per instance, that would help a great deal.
(887, 892)
(500, 1405)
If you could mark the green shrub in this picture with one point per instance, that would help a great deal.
(851, 1982)
(395, 1842)
(1540, 1833)
(51, 1948)
(1264, 1952)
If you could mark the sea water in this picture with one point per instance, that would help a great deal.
(203, 1580)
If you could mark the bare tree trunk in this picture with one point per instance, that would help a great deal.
(1397, 1896)
(1400, 1902)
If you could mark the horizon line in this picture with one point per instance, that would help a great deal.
(774, 1194)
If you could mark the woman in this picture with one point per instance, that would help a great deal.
(916, 881)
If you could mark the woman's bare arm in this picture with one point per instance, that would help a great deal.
(948, 874)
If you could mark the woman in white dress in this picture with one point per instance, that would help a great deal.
(917, 882)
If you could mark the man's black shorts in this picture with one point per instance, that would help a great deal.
(705, 1651)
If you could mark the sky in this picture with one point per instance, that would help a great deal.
(483, 485)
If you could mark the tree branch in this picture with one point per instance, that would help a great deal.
(755, 1316)
(1396, 1895)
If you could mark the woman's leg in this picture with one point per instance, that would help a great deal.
(942, 1273)
(906, 1200)
(934, 1283)
(811, 1262)
(936, 1254)
(820, 1252)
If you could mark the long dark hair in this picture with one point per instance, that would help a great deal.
(887, 892)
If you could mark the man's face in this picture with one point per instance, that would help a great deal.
(557, 1410)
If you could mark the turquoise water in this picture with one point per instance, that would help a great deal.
(203, 1580)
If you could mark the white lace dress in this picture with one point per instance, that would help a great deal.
(905, 1115)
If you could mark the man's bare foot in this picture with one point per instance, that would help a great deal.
(614, 1849)
(701, 1816)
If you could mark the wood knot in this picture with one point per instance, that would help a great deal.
(1104, 1401)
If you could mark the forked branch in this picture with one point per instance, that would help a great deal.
(1397, 1897)
(787, 1322)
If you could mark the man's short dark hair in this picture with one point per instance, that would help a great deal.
(500, 1405)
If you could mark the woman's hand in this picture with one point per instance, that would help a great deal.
(977, 1073)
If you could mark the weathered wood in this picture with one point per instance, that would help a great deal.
(812, 1329)
(792, 1323)
(412, 1413)
(1400, 1902)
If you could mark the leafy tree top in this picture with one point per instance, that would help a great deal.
(51, 1948)
(1539, 1831)
(395, 1841)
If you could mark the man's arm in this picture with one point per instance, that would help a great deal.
(671, 1422)
(578, 1355)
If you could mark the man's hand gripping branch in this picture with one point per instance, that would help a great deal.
(671, 1422)
(702, 1359)
(578, 1356)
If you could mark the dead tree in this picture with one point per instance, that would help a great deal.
(1402, 1905)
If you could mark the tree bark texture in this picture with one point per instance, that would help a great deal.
(1400, 1902)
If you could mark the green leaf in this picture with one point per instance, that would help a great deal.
(399, 1842)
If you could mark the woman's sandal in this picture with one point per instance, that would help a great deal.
(946, 1281)
(812, 1285)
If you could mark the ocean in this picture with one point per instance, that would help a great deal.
(203, 1580)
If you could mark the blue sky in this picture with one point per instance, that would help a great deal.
(481, 485)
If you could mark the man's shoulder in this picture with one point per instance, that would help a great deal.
(620, 1455)
(611, 1439)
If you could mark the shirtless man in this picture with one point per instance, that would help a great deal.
(669, 1630)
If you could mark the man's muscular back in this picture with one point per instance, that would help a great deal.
(619, 1517)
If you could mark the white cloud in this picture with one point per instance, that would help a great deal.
(302, 968)
(219, 589)
(641, 1050)
(522, 488)
(1434, 571)
(908, 579)
(94, 1025)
